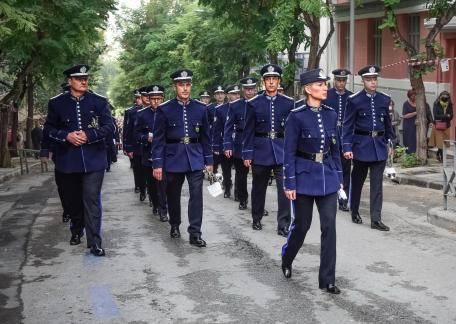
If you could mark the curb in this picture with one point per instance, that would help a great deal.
(16, 172)
(407, 180)
(442, 218)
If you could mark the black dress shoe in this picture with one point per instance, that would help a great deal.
(227, 194)
(283, 231)
(175, 233)
(343, 206)
(356, 218)
(243, 205)
(265, 213)
(97, 251)
(286, 271)
(151, 204)
(257, 226)
(155, 211)
(379, 226)
(163, 217)
(75, 239)
(142, 196)
(197, 241)
(332, 289)
(65, 217)
(137, 189)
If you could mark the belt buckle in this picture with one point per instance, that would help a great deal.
(374, 133)
(186, 139)
(339, 123)
(272, 135)
(319, 157)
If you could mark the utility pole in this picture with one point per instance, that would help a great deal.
(352, 45)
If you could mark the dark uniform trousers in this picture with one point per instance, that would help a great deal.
(82, 192)
(260, 179)
(240, 180)
(59, 176)
(139, 172)
(157, 191)
(303, 208)
(174, 182)
(358, 176)
(346, 169)
(217, 161)
(227, 165)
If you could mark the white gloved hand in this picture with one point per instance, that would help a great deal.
(341, 194)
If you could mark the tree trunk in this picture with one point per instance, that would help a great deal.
(14, 129)
(421, 120)
(30, 104)
(5, 157)
(314, 60)
(289, 90)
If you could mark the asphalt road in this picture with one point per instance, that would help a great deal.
(403, 276)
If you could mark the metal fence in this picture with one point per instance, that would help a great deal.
(449, 171)
(25, 158)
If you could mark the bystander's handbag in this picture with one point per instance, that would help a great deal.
(440, 125)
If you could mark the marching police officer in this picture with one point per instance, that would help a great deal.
(135, 152)
(78, 122)
(263, 145)
(232, 141)
(221, 113)
(205, 97)
(337, 98)
(126, 134)
(366, 132)
(144, 133)
(313, 173)
(182, 147)
(219, 96)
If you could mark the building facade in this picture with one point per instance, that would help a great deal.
(375, 46)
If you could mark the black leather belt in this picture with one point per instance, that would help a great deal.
(183, 140)
(368, 133)
(317, 157)
(271, 135)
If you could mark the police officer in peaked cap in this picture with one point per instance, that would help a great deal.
(144, 134)
(366, 132)
(221, 113)
(126, 149)
(219, 96)
(205, 97)
(262, 149)
(182, 148)
(78, 122)
(312, 173)
(337, 98)
(232, 141)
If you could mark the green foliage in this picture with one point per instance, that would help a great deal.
(13, 18)
(410, 160)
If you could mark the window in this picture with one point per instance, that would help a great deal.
(414, 31)
(377, 38)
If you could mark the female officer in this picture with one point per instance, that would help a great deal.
(312, 172)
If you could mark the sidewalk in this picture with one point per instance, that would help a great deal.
(8, 173)
(430, 176)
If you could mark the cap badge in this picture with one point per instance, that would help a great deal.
(270, 68)
(155, 88)
(219, 88)
(236, 88)
(205, 93)
(249, 81)
(343, 73)
(83, 69)
(321, 74)
(372, 69)
(184, 74)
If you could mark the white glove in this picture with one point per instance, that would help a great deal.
(341, 194)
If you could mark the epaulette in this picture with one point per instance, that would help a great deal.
(164, 103)
(198, 101)
(142, 109)
(58, 95)
(327, 107)
(355, 94)
(304, 106)
(234, 101)
(286, 97)
(300, 102)
(216, 106)
(99, 95)
(384, 94)
(251, 99)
